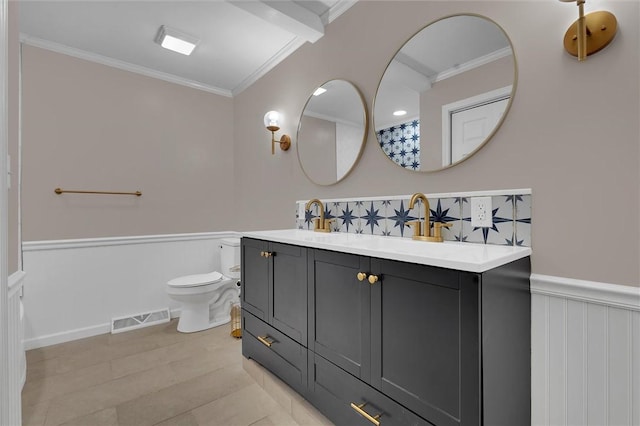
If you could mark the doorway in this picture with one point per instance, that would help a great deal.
(467, 123)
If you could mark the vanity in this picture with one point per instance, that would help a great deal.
(391, 331)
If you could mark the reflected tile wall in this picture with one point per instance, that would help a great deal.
(401, 143)
(392, 216)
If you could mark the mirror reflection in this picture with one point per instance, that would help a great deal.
(445, 93)
(332, 132)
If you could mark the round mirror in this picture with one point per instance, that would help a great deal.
(445, 93)
(332, 132)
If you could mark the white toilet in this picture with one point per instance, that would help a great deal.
(206, 299)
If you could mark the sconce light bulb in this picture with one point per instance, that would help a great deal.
(271, 120)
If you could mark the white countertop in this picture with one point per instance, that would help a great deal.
(461, 256)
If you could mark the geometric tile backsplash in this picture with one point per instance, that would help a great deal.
(388, 216)
(401, 143)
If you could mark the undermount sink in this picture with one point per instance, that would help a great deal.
(456, 255)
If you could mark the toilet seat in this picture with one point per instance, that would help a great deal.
(196, 280)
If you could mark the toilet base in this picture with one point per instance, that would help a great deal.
(194, 317)
(189, 325)
(199, 316)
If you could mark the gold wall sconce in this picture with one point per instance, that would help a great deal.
(590, 33)
(272, 123)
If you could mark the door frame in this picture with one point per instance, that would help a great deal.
(4, 280)
(449, 109)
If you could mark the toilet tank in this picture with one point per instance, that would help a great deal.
(230, 257)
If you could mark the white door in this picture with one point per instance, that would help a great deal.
(470, 127)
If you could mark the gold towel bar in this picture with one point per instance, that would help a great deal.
(60, 191)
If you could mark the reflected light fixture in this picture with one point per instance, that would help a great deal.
(272, 123)
(176, 41)
(399, 113)
(590, 33)
(319, 91)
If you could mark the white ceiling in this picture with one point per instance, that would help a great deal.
(240, 40)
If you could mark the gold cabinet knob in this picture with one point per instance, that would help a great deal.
(268, 253)
(262, 253)
(373, 279)
(362, 276)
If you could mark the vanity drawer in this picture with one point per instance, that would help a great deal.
(338, 395)
(280, 354)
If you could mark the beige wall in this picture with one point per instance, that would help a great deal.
(491, 76)
(92, 127)
(13, 129)
(571, 135)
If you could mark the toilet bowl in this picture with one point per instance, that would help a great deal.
(206, 299)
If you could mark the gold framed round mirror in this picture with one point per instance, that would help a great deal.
(445, 93)
(332, 132)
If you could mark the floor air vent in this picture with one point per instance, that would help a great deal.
(132, 322)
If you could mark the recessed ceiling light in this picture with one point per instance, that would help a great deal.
(399, 113)
(176, 40)
(319, 91)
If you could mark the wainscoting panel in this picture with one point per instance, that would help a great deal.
(17, 364)
(75, 287)
(585, 353)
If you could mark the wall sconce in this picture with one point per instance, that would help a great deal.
(590, 33)
(272, 123)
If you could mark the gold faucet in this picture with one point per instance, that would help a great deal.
(320, 224)
(423, 232)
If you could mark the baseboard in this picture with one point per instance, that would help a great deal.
(80, 333)
(614, 295)
(67, 336)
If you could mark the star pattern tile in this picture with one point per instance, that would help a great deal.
(389, 217)
(401, 144)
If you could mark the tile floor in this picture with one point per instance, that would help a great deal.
(156, 376)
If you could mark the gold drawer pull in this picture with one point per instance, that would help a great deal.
(373, 279)
(266, 342)
(266, 253)
(361, 276)
(359, 410)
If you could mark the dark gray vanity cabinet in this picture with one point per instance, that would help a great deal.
(274, 285)
(398, 343)
(274, 303)
(437, 310)
(432, 345)
(411, 335)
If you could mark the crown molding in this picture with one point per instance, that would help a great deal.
(474, 63)
(122, 65)
(329, 16)
(282, 54)
(331, 118)
(336, 10)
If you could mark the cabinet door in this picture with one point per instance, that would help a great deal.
(339, 309)
(425, 332)
(288, 295)
(255, 278)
